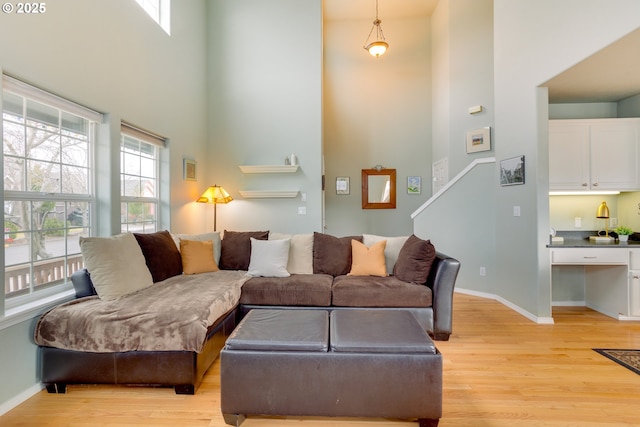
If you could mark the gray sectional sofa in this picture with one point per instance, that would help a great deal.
(256, 270)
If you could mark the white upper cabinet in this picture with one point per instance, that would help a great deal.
(594, 154)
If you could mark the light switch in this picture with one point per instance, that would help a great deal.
(516, 211)
(302, 210)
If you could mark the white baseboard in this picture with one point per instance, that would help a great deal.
(16, 400)
(568, 303)
(514, 307)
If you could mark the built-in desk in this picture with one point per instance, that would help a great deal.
(611, 275)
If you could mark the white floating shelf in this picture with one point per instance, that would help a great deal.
(268, 194)
(269, 168)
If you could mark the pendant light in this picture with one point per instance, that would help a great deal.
(378, 46)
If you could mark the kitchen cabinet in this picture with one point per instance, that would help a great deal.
(594, 154)
(611, 278)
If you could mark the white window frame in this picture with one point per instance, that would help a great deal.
(35, 300)
(159, 11)
(135, 134)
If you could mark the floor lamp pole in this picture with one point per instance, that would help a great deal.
(215, 208)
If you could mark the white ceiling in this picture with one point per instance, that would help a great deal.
(336, 10)
(609, 75)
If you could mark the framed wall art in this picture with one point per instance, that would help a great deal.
(342, 185)
(512, 171)
(414, 185)
(479, 140)
(189, 170)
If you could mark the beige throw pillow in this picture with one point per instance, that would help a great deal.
(116, 264)
(197, 256)
(368, 261)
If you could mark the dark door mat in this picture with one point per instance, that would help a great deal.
(630, 359)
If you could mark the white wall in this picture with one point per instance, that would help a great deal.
(265, 98)
(112, 57)
(376, 111)
(533, 42)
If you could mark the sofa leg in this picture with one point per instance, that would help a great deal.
(185, 389)
(57, 388)
(233, 419)
(441, 336)
(428, 422)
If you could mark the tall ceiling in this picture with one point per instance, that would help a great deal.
(609, 75)
(336, 10)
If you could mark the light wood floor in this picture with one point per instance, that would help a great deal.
(500, 370)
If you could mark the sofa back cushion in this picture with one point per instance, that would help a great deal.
(116, 264)
(213, 236)
(236, 248)
(160, 254)
(332, 255)
(414, 260)
(300, 252)
(391, 250)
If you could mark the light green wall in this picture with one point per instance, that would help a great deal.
(265, 102)
(110, 56)
(376, 111)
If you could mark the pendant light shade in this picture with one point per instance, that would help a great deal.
(376, 46)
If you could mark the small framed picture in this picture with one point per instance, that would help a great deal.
(189, 170)
(479, 140)
(342, 185)
(512, 171)
(414, 185)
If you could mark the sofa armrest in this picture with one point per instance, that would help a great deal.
(442, 280)
(82, 283)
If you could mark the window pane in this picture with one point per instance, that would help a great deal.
(13, 140)
(43, 145)
(76, 152)
(42, 115)
(43, 177)
(75, 180)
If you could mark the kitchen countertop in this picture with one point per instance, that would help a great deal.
(580, 239)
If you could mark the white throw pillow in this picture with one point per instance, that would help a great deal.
(214, 236)
(269, 258)
(116, 265)
(300, 252)
(391, 251)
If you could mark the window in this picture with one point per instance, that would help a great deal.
(139, 171)
(160, 11)
(48, 144)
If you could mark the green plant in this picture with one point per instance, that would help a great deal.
(621, 230)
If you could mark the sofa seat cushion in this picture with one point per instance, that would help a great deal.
(372, 291)
(297, 290)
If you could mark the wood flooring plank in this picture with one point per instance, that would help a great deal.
(500, 370)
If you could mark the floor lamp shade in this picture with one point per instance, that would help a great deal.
(215, 195)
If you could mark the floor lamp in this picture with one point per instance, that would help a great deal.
(215, 195)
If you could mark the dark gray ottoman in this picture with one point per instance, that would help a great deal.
(348, 363)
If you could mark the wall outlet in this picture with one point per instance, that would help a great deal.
(516, 211)
(302, 210)
(577, 222)
(483, 271)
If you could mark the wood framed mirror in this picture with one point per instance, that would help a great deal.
(378, 188)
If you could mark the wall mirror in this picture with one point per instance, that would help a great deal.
(378, 188)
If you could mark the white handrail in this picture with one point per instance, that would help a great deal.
(451, 183)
